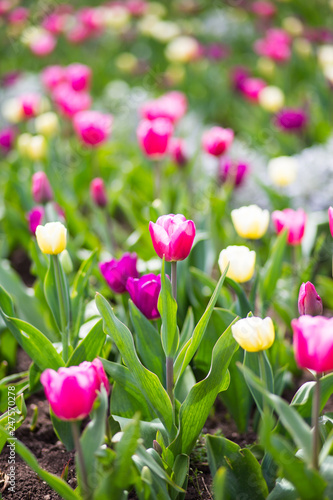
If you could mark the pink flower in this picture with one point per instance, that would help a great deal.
(330, 219)
(92, 127)
(238, 76)
(177, 151)
(41, 188)
(18, 15)
(72, 391)
(251, 88)
(154, 136)
(78, 76)
(233, 171)
(263, 8)
(293, 220)
(137, 7)
(172, 236)
(116, 272)
(290, 119)
(7, 137)
(30, 104)
(275, 45)
(172, 106)
(309, 302)
(144, 292)
(217, 140)
(313, 342)
(98, 192)
(69, 101)
(52, 76)
(35, 218)
(44, 44)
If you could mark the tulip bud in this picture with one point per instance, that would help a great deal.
(217, 140)
(283, 170)
(66, 261)
(7, 137)
(47, 124)
(52, 76)
(51, 238)
(172, 236)
(291, 119)
(117, 272)
(177, 151)
(313, 342)
(241, 262)
(309, 302)
(35, 218)
(41, 188)
(330, 219)
(144, 292)
(79, 76)
(250, 222)
(233, 172)
(254, 334)
(292, 220)
(98, 192)
(37, 148)
(154, 136)
(92, 127)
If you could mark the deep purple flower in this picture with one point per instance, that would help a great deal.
(233, 171)
(35, 218)
(291, 119)
(116, 272)
(7, 137)
(144, 292)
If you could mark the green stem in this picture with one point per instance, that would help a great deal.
(157, 179)
(263, 375)
(62, 306)
(315, 422)
(174, 279)
(169, 377)
(83, 473)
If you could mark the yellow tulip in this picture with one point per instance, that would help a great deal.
(254, 334)
(51, 238)
(250, 222)
(283, 170)
(47, 124)
(271, 98)
(37, 147)
(241, 262)
(182, 49)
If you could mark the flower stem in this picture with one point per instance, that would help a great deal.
(315, 422)
(62, 306)
(169, 377)
(83, 473)
(174, 279)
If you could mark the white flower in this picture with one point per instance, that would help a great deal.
(250, 222)
(283, 170)
(241, 262)
(254, 334)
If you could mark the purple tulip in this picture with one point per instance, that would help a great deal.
(234, 172)
(291, 119)
(144, 292)
(116, 272)
(7, 137)
(35, 218)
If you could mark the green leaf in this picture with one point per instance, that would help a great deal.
(187, 329)
(63, 430)
(263, 371)
(51, 292)
(244, 304)
(148, 430)
(148, 383)
(303, 398)
(180, 473)
(17, 415)
(148, 342)
(196, 407)
(219, 484)
(167, 307)
(57, 484)
(90, 347)
(125, 448)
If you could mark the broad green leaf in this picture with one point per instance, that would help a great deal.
(63, 430)
(125, 448)
(148, 342)
(57, 484)
(90, 347)
(219, 484)
(262, 368)
(196, 407)
(302, 400)
(17, 415)
(148, 430)
(148, 382)
(51, 291)
(147, 457)
(180, 473)
(167, 307)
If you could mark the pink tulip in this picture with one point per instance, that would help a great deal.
(30, 104)
(251, 88)
(52, 76)
(154, 136)
(18, 15)
(116, 272)
(330, 219)
(41, 188)
(309, 302)
(263, 8)
(35, 218)
(56, 21)
(92, 127)
(137, 7)
(7, 137)
(177, 151)
(217, 140)
(293, 220)
(234, 172)
(313, 342)
(172, 236)
(79, 32)
(69, 101)
(44, 44)
(238, 75)
(144, 292)
(172, 106)
(98, 192)
(78, 76)
(72, 391)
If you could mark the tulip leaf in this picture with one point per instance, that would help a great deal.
(187, 329)
(57, 484)
(51, 290)
(167, 307)
(17, 417)
(219, 484)
(90, 347)
(63, 430)
(196, 407)
(303, 398)
(244, 304)
(148, 382)
(189, 349)
(262, 369)
(148, 342)
(148, 430)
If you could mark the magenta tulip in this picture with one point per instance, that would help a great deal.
(116, 272)
(172, 236)
(144, 292)
(217, 140)
(44, 44)
(30, 104)
(154, 137)
(234, 172)
(313, 342)
(309, 302)
(172, 106)
(293, 220)
(92, 127)
(177, 151)
(78, 76)
(35, 218)
(41, 188)
(52, 76)
(7, 137)
(330, 219)
(251, 88)
(70, 102)
(291, 119)
(98, 192)
(72, 391)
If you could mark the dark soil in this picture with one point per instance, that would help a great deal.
(21, 263)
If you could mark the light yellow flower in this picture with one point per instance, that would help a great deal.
(293, 25)
(302, 47)
(266, 66)
(271, 98)
(241, 262)
(254, 334)
(47, 124)
(126, 62)
(325, 55)
(23, 142)
(116, 17)
(283, 170)
(37, 148)
(51, 238)
(182, 49)
(12, 110)
(250, 222)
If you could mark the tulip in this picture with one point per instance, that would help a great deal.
(154, 136)
(264, 9)
(309, 302)
(291, 119)
(283, 170)
(293, 26)
(254, 334)
(35, 218)
(241, 262)
(238, 76)
(275, 45)
(250, 222)
(41, 188)
(292, 220)
(234, 172)
(172, 106)
(313, 342)
(42, 43)
(117, 272)
(217, 140)
(271, 98)
(177, 151)
(47, 124)
(330, 219)
(51, 238)
(182, 49)
(98, 192)
(37, 148)
(12, 110)
(69, 101)
(23, 142)
(18, 16)
(251, 88)
(72, 391)
(52, 76)
(325, 55)
(92, 127)
(78, 76)
(32, 105)
(172, 236)
(7, 137)
(144, 292)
